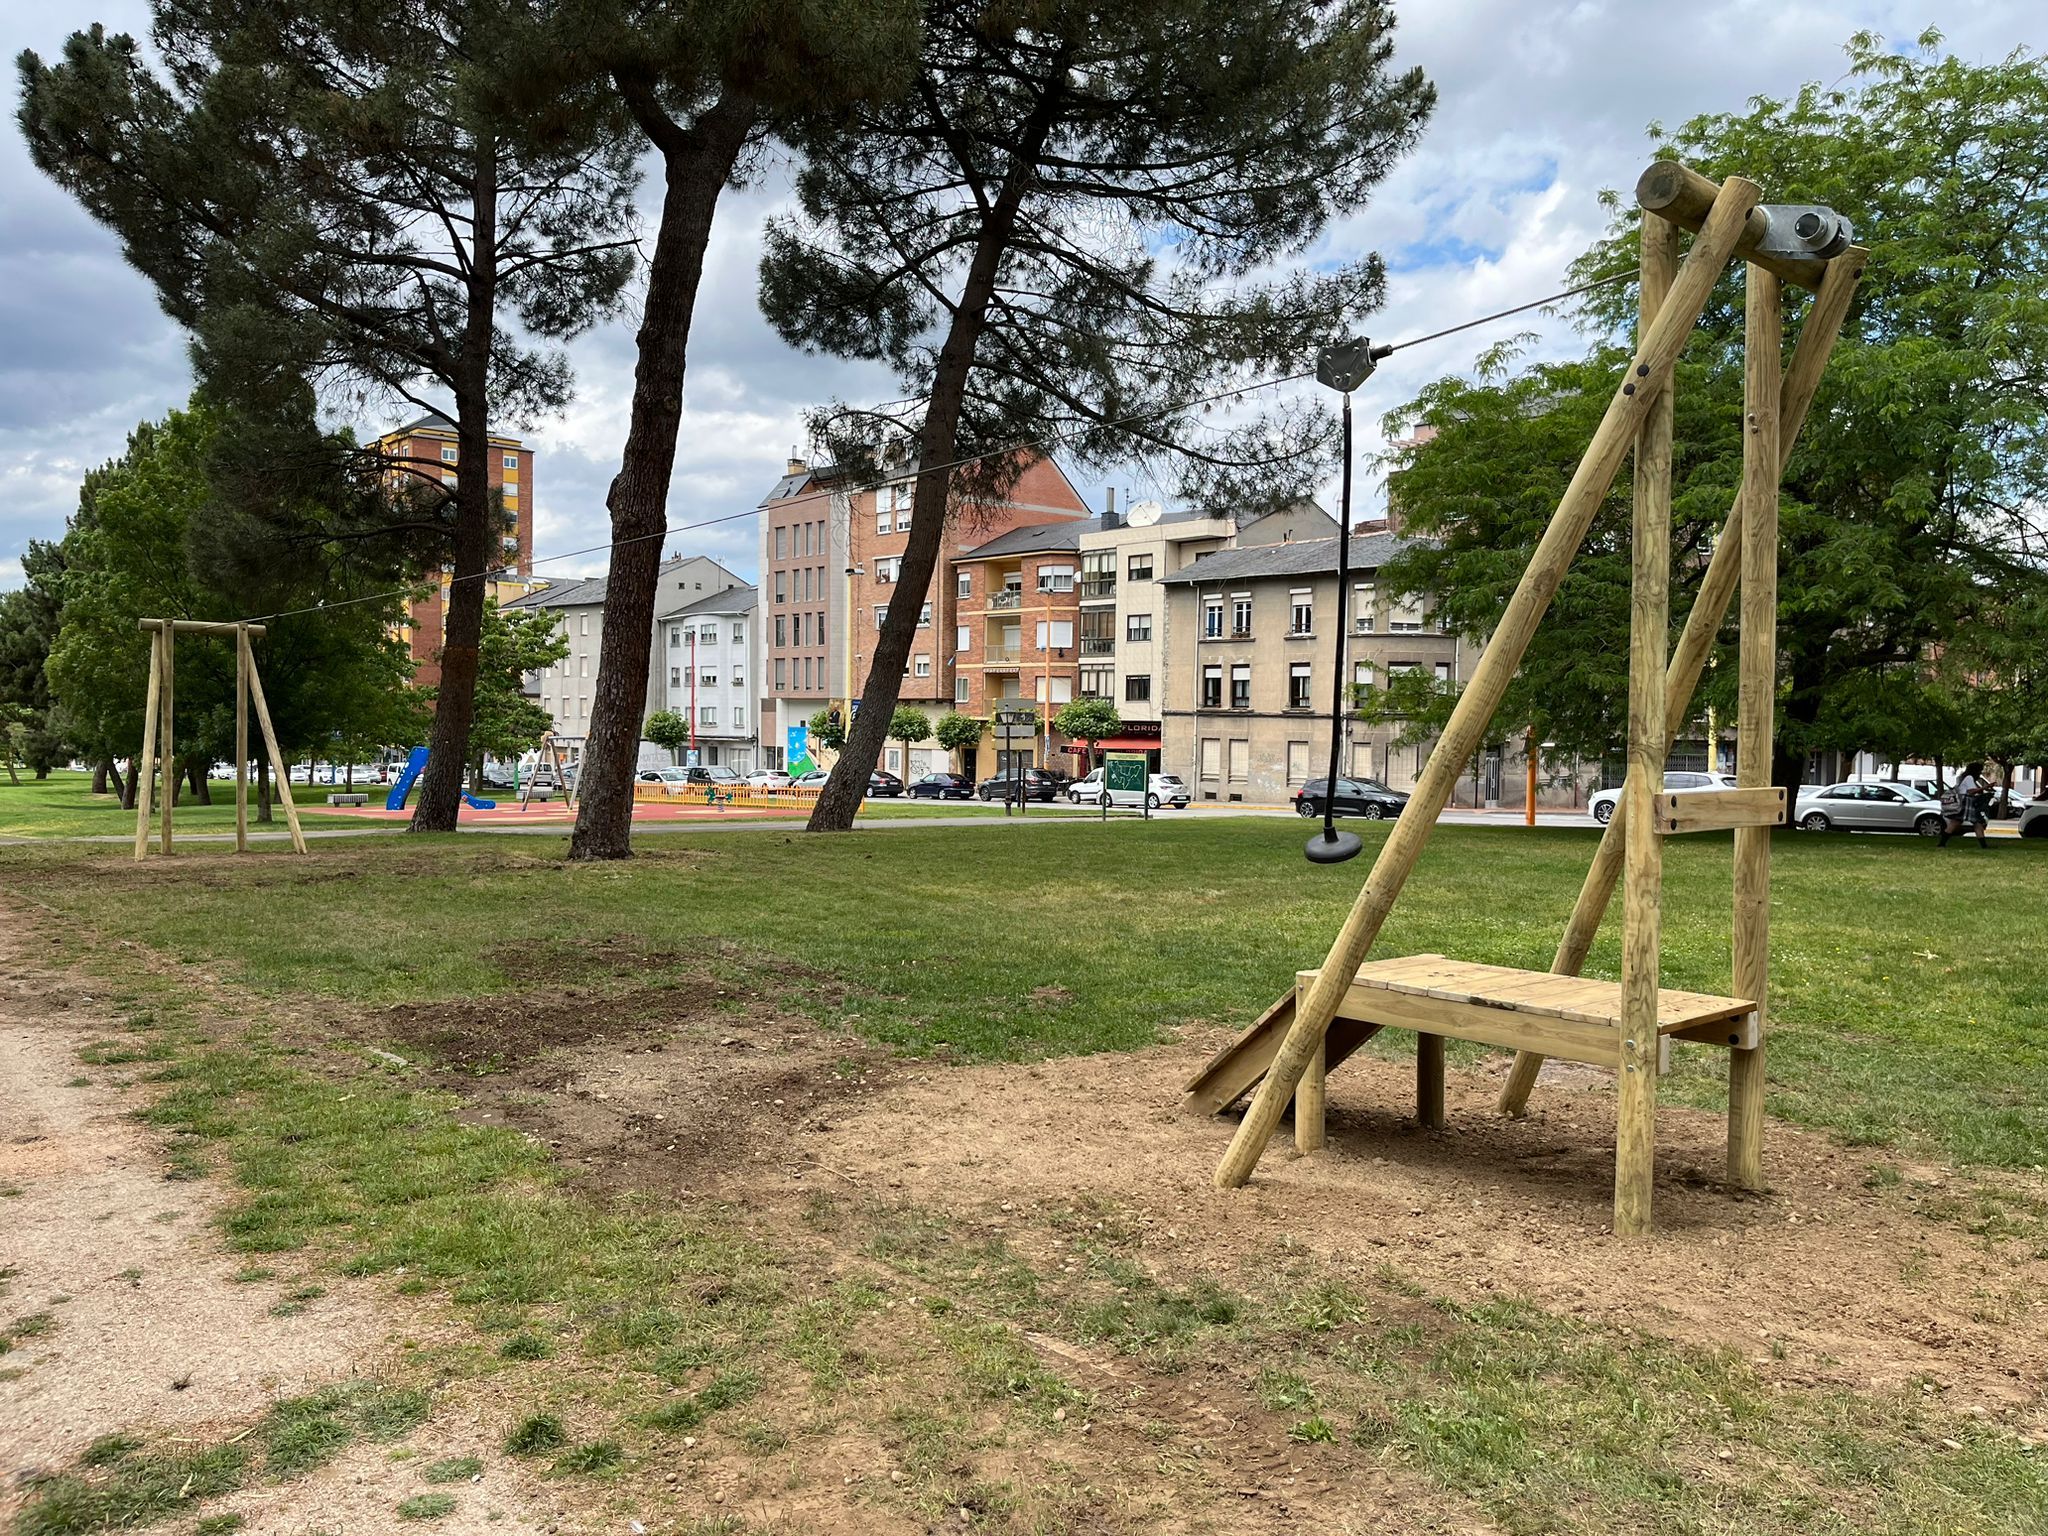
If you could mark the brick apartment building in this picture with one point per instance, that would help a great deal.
(830, 554)
(1016, 631)
(427, 449)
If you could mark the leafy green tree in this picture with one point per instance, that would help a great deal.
(666, 728)
(828, 730)
(1090, 720)
(27, 626)
(346, 191)
(960, 734)
(515, 642)
(1076, 220)
(909, 725)
(1912, 502)
(703, 81)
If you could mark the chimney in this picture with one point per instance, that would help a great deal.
(1109, 509)
(796, 465)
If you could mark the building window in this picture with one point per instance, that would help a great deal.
(888, 568)
(739, 633)
(1407, 617)
(707, 679)
(782, 542)
(782, 586)
(1139, 568)
(1212, 619)
(1297, 762)
(1364, 603)
(924, 616)
(1241, 686)
(739, 683)
(963, 585)
(1240, 759)
(807, 674)
(963, 639)
(1055, 578)
(1138, 626)
(1056, 635)
(960, 689)
(903, 516)
(1212, 757)
(1138, 688)
(1096, 682)
(448, 453)
(511, 495)
(675, 677)
(584, 620)
(1303, 618)
(1241, 615)
(1212, 687)
(675, 637)
(921, 666)
(739, 714)
(1443, 671)
(781, 676)
(1298, 685)
(446, 478)
(708, 717)
(881, 613)
(781, 632)
(1098, 573)
(583, 666)
(881, 519)
(512, 462)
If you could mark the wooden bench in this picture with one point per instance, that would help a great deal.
(1566, 1016)
(348, 799)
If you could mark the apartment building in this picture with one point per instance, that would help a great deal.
(831, 555)
(426, 449)
(1017, 613)
(566, 688)
(709, 663)
(1247, 656)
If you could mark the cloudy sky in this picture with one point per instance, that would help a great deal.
(1543, 104)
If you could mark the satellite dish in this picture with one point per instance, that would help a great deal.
(1144, 514)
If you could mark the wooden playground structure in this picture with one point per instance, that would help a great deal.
(157, 734)
(1628, 1025)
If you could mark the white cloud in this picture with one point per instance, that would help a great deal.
(1542, 105)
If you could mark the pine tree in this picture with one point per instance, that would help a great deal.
(1066, 228)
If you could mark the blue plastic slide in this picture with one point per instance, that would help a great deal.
(415, 764)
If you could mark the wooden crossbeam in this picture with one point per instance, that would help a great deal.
(1716, 810)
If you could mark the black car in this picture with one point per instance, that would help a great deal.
(943, 786)
(1355, 797)
(884, 785)
(1037, 785)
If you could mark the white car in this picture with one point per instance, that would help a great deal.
(1867, 808)
(1161, 789)
(2034, 819)
(1603, 803)
(768, 778)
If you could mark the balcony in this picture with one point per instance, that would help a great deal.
(1098, 586)
(1009, 597)
(1001, 656)
(1098, 647)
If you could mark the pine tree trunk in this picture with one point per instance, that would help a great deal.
(475, 529)
(839, 800)
(697, 163)
(100, 770)
(202, 787)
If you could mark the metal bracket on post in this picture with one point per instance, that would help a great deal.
(1804, 230)
(1345, 365)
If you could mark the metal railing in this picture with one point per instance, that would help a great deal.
(1009, 597)
(1098, 586)
(1001, 655)
(1090, 647)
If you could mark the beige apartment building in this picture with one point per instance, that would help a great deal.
(1247, 654)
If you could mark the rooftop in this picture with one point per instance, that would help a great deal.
(1302, 557)
(1039, 538)
(731, 600)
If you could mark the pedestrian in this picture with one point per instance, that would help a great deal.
(1972, 796)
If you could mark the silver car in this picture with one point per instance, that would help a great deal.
(1868, 808)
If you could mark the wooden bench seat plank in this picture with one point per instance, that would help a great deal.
(1533, 995)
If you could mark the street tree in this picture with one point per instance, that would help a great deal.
(909, 725)
(1913, 501)
(666, 728)
(828, 730)
(1092, 721)
(1076, 221)
(960, 734)
(705, 83)
(345, 190)
(516, 641)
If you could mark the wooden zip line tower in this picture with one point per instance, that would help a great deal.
(1627, 1025)
(156, 731)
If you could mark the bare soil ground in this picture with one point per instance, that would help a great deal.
(149, 1331)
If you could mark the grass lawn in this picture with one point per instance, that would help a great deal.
(644, 1319)
(63, 805)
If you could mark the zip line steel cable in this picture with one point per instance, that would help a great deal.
(1053, 441)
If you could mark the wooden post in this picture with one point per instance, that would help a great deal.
(1756, 711)
(277, 768)
(1309, 1105)
(170, 787)
(1702, 628)
(145, 765)
(242, 654)
(1429, 1082)
(1649, 608)
(1648, 374)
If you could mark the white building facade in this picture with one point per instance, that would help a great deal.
(708, 657)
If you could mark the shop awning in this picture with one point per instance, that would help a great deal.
(1123, 744)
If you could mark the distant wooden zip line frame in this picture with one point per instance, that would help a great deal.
(157, 732)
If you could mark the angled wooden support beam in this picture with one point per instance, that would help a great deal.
(1648, 375)
(145, 765)
(277, 767)
(1683, 196)
(1817, 339)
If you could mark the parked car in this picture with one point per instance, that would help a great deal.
(1602, 804)
(1867, 808)
(1160, 789)
(2034, 820)
(815, 779)
(943, 786)
(767, 778)
(673, 779)
(883, 784)
(1355, 797)
(1037, 784)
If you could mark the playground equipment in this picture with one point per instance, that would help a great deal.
(551, 754)
(1290, 1048)
(157, 715)
(415, 765)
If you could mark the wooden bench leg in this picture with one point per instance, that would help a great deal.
(1308, 1103)
(1429, 1081)
(1746, 1118)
